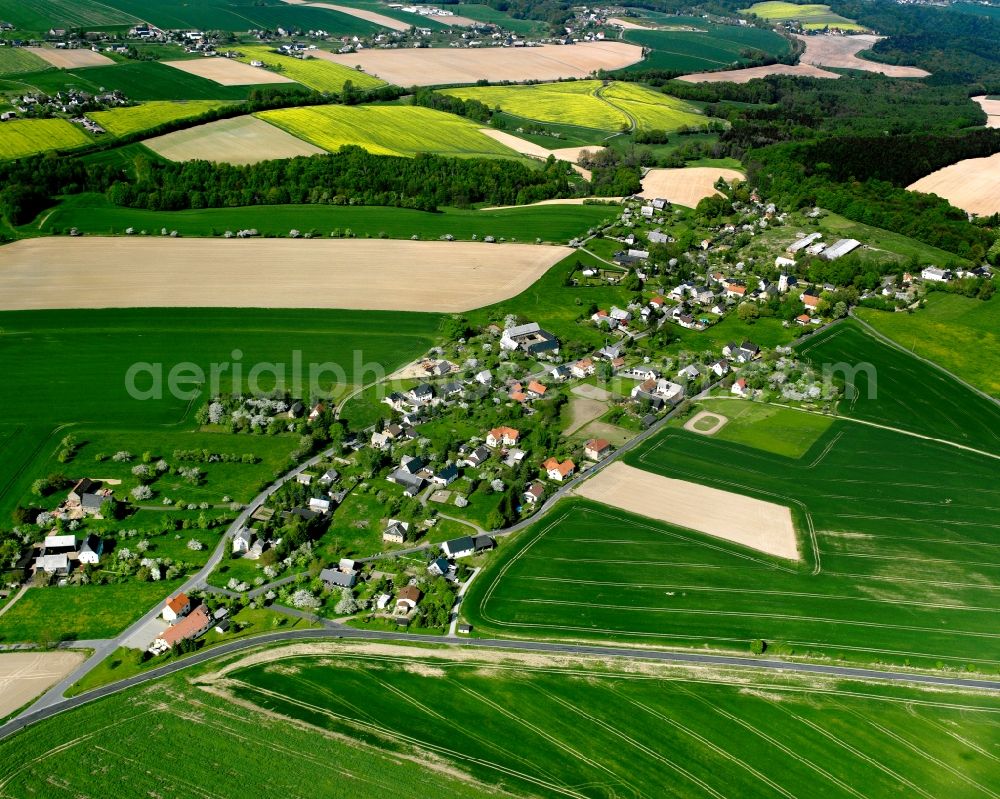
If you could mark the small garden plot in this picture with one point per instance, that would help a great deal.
(123, 121)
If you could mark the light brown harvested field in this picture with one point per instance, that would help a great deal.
(525, 147)
(228, 71)
(751, 73)
(434, 66)
(687, 186)
(582, 411)
(241, 140)
(626, 24)
(26, 675)
(828, 50)
(613, 433)
(972, 185)
(992, 109)
(558, 201)
(376, 274)
(70, 59)
(764, 526)
(371, 16)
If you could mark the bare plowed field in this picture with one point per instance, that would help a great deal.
(525, 147)
(751, 73)
(687, 186)
(228, 71)
(826, 50)
(434, 66)
(25, 675)
(241, 140)
(764, 526)
(107, 272)
(70, 59)
(972, 185)
(992, 109)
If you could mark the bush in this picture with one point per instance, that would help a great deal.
(757, 646)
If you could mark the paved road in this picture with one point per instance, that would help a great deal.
(36, 713)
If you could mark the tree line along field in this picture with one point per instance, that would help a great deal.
(898, 561)
(552, 223)
(893, 388)
(709, 46)
(588, 104)
(959, 333)
(316, 73)
(812, 16)
(387, 130)
(133, 119)
(41, 404)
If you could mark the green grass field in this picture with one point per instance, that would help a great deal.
(586, 729)
(588, 104)
(41, 404)
(767, 427)
(247, 748)
(22, 137)
(556, 223)
(40, 15)
(812, 16)
(123, 121)
(16, 59)
(324, 76)
(709, 46)
(900, 391)
(387, 130)
(960, 334)
(80, 613)
(143, 80)
(976, 8)
(484, 13)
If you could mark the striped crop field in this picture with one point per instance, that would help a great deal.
(386, 130)
(588, 103)
(18, 59)
(812, 16)
(22, 137)
(316, 73)
(123, 121)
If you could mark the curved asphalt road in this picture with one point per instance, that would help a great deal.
(335, 631)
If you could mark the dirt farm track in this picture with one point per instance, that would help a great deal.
(108, 272)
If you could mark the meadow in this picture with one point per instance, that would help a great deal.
(316, 73)
(240, 747)
(897, 536)
(898, 390)
(43, 403)
(588, 104)
(587, 728)
(143, 80)
(387, 130)
(123, 121)
(21, 137)
(812, 16)
(16, 59)
(959, 333)
(709, 46)
(92, 213)
(782, 431)
(40, 15)
(80, 613)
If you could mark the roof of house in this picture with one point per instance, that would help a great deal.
(535, 387)
(598, 444)
(188, 627)
(177, 603)
(86, 486)
(563, 468)
(536, 490)
(522, 330)
(92, 543)
(458, 544)
(93, 501)
(338, 578)
(410, 592)
(505, 432)
(60, 541)
(448, 472)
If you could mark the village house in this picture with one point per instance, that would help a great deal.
(597, 449)
(741, 353)
(459, 547)
(91, 549)
(438, 567)
(82, 487)
(530, 338)
(445, 476)
(582, 368)
(407, 599)
(175, 607)
(558, 471)
(536, 389)
(395, 532)
(53, 564)
(319, 504)
(502, 436)
(338, 578)
(810, 301)
(720, 367)
(935, 274)
(243, 540)
(534, 493)
(739, 388)
(188, 628)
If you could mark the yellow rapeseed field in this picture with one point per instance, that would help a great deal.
(386, 130)
(316, 73)
(21, 137)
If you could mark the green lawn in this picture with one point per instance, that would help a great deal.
(896, 389)
(80, 612)
(554, 223)
(42, 404)
(779, 430)
(14, 60)
(960, 334)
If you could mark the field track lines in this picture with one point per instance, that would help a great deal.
(315, 686)
(144, 768)
(945, 583)
(682, 564)
(922, 753)
(718, 750)
(417, 743)
(964, 741)
(857, 753)
(826, 450)
(635, 744)
(775, 743)
(565, 747)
